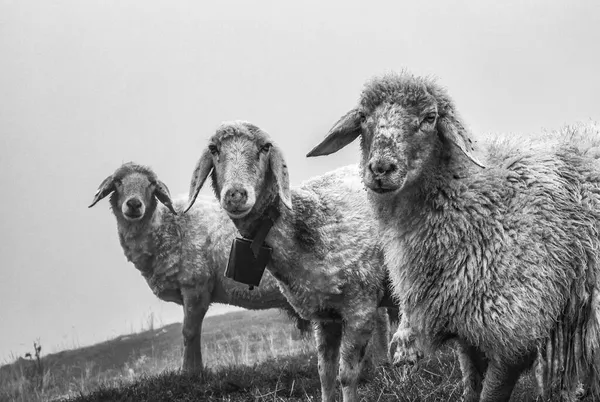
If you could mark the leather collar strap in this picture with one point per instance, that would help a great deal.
(268, 220)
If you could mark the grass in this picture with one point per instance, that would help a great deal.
(238, 338)
(289, 378)
(250, 355)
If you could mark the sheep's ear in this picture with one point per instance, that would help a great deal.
(106, 187)
(453, 130)
(346, 130)
(201, 172)
(161, 191)
(280, 171)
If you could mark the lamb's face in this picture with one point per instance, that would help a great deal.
(240, 160)
(397, 141)
(134, 193)
(134, 190)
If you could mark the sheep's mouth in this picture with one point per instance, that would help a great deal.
(133, 216)
(238, 213)
(384, 183)
(379, 187)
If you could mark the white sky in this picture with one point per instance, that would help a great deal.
(87, 85)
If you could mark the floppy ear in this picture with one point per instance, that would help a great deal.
(201, 172)
(280, 171)
(453, 130)
(161, 191)
(106, 187)
(341, 134)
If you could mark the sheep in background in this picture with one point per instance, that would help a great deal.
(182, 257)
(502, 259)
(325, 255)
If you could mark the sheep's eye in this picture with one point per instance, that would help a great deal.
(430, 118)
(213, 149)
(117, 182)
(265, 148)
(363, 118)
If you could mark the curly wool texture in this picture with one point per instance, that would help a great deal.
(325, 251)
(506, 258)
(191, 251)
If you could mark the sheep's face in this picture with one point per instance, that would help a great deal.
(239, 171)
(241, 163)
(134, 193)
(133, 188)
(245, 167)
(405, 123)
(396, 143)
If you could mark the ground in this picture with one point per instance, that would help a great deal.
(250, 355)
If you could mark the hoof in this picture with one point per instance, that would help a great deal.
(404, 349)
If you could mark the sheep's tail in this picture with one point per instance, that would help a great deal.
(572, 353)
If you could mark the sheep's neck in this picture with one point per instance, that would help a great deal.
(443, 188)
(138, 245)
(436, 191)
(250, 225)
(285, 262)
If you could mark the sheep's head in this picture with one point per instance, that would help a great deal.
(405, 123)
(134, 190)
(245, 167)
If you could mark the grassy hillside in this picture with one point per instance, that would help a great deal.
(238, 338)
(251, 356)
(289, 378)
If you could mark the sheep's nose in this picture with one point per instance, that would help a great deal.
(236, 196)
(382, 167)
(134, 203)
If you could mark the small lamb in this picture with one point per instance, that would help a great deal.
(325, 252)
(182, 257)
(503, 259)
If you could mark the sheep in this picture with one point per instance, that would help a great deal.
(496, 248)
(182, 257)
(325, 255)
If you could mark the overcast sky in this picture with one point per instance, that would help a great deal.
(87, 85)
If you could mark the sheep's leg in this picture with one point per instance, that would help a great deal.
(357, 332)
(328, 336)
(403, 347)
(500, 380)
(195, 306)
(472, 365)
(377, 352)
(381, 337)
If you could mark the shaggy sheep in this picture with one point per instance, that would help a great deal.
(325, 254)
(182, 257)
(504, 259)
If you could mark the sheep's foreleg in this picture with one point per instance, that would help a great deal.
(378, 352)
(500, 380)
(195, 306)
(403, 347)
(381, 337)
(328, 337)
(472, 365)
(357, 332)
